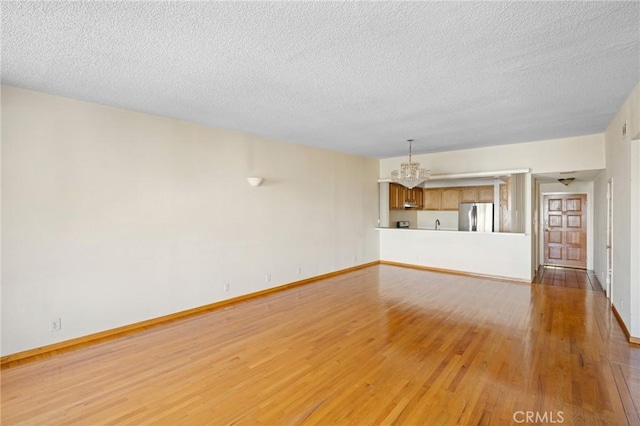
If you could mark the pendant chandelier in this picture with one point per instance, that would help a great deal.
(410, 174)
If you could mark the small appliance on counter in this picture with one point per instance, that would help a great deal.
(402, 224)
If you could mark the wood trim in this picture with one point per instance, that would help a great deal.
(95, 338)
(430, 355)
(595, 282)
(583, 268)
(536, 277)
(453, 272)
(630, 339)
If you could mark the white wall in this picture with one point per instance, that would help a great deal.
(383, 197)
(110, 217)
(634, 231)
(496, 254)
(549, 156)
(600, 227)
(620, 166)
(576, 187)
(535, 229)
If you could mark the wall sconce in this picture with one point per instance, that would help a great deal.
(255, 181)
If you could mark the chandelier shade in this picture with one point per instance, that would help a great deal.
(566, 181)
(410, 173)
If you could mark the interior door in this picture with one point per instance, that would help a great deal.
(565, 230)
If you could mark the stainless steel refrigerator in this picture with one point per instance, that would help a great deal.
(475, 217)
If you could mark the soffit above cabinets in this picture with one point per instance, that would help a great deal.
(463, 182)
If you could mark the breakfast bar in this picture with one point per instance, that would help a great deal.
(501, 255)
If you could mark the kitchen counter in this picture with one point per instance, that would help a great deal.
(423, 229)
(498, 254)
(447, 229)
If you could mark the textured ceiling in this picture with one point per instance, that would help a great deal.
(357, 77)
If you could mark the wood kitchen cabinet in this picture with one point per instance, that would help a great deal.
(399, 194)
(432, 199)
(396, 196)
(441, 199)
(450, 198)
(504, 193)
(468, 194)
(416, 197)
(476, 194)
(485, 194)
(505, 206)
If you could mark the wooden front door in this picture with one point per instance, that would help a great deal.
(565, 230)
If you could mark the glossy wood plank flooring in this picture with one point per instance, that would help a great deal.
(568, 277)
(380, 345)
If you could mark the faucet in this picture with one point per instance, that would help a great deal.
(437, 223)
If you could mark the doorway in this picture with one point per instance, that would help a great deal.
(565, 230)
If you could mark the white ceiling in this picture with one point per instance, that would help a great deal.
(357, 77)
(579, 176)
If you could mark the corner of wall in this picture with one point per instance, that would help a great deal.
(620, 168)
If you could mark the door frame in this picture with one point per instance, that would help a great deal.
(609, 246)
(590, 213)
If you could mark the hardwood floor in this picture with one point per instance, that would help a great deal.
(568, 277)
(380, 345)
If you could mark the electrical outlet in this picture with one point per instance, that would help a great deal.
(299, 270)
(226, 287)
(621, 304)
(268, 278)
(55, 325)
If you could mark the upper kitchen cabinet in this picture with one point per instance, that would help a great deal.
(441, 199)
(432, 199)
(485, 194)
(504, 210)
(403, 198)
(396, 196)
(468, 194)
(416, 196)
(413, 198)
(450, 198)
(503, 193)
(477, 194)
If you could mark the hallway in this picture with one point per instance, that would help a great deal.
(567, 277)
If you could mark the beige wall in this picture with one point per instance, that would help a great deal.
(556, 155)
(622, 167)
(111, 217)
